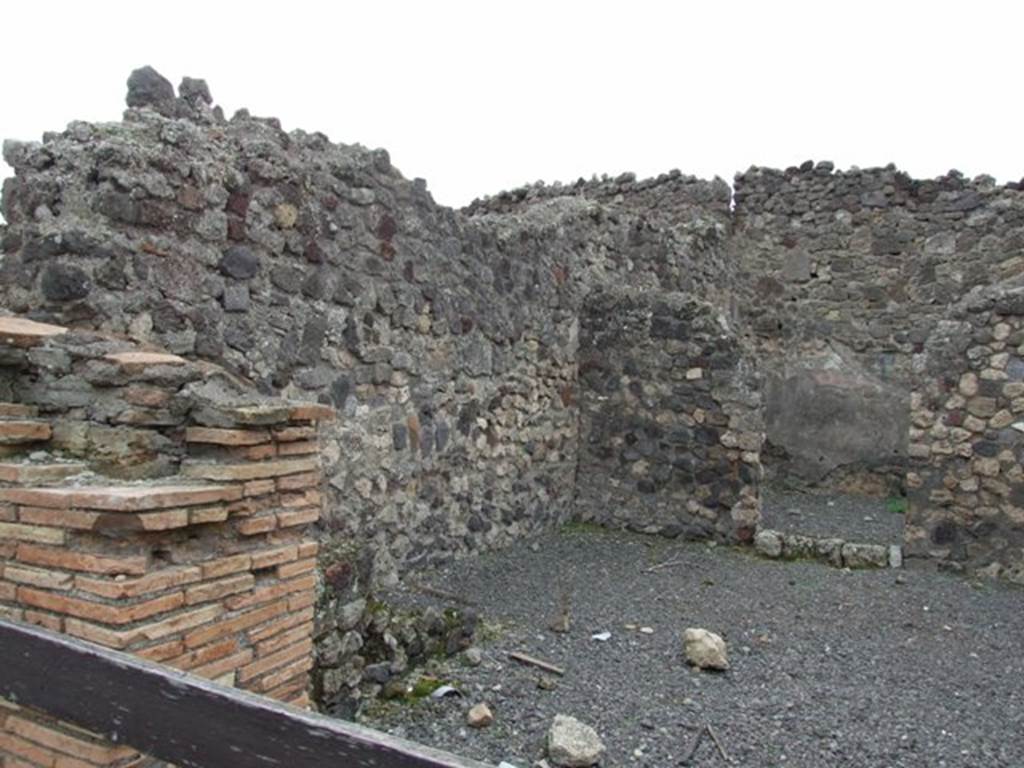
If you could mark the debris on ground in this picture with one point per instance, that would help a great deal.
(808, 687)
(705, 650)
(524, 658)
(572, 744)
(479, 716)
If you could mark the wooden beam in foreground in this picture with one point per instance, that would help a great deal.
(187, 720)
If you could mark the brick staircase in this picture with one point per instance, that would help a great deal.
(154, 505)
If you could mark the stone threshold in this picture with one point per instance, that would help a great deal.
(778, 545)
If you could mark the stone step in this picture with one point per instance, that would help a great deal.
(121, 498)
(17, 411)
(23, 431)
(34, 473)
(20, 332)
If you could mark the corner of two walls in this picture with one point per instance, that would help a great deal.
(316, 271)
(671, 423)
(459, 347)
(446, 340)
(670, 426)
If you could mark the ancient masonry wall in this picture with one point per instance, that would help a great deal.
(670, 416)
(843, 276)
(316, 271)
(202, 561)
(491, 377)
(966, 481)
(447, 342)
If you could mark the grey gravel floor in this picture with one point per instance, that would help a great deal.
(860, 519)
(829, 668)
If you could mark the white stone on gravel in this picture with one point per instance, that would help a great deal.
(479, 716)
(572, 744)
(705, 650)
(895, 556)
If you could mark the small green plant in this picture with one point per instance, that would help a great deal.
(896, 505)
(487, 631)
(583, 527)
(423, 687)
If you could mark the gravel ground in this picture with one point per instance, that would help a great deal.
(859, 519)
(829, 667)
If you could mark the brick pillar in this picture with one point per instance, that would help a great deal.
(211, 570)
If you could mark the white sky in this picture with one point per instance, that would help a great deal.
(482, 96)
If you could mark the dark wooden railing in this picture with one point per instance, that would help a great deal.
(183, 719)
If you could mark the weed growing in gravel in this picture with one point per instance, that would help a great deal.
(423, 688)
(897, 505)
(487, 631)
(581, 527)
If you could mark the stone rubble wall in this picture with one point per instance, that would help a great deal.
(871, 258)
(315, 271)
(671, 198)
(202, 559)
(966, 481)
(676, 228)
(447, 342)
(843, 275)
(492, 377)
(671, 428)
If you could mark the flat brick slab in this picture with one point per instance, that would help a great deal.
(132, 498)
(313, 412)
(255, 470)
(226, 436)
(11, 472)
(17, 432)
(19, 332)
(272, 413)
(144, 359)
